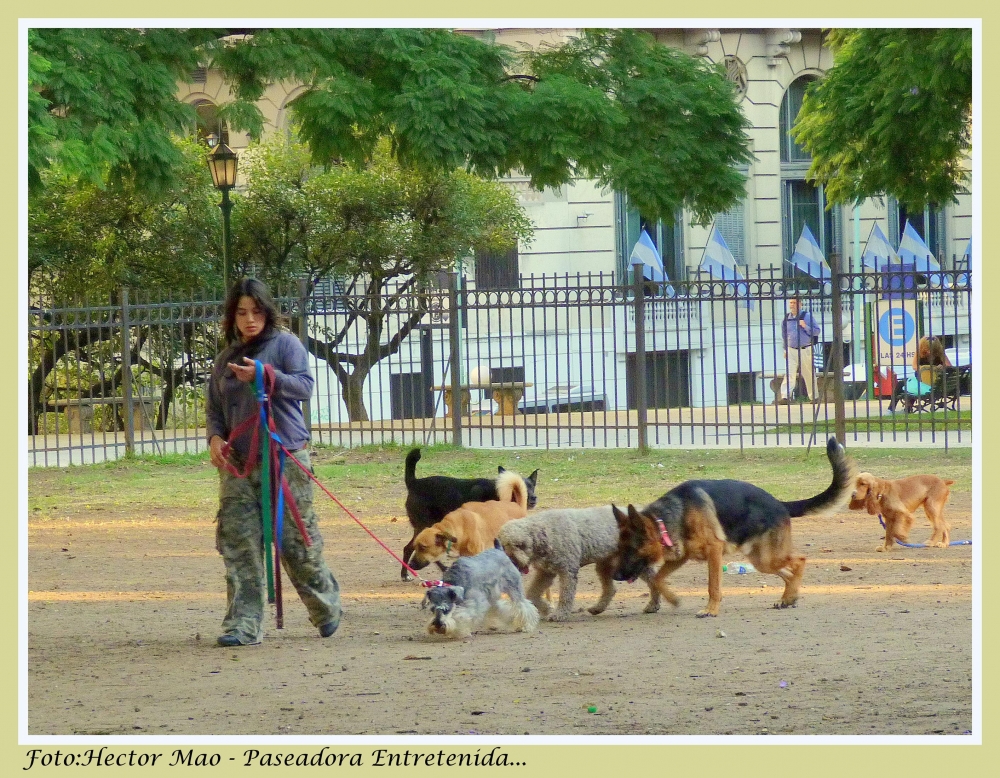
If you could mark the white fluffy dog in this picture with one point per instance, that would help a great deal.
(473, 595)
(557, 543)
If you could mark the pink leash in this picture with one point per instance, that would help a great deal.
(344, 508)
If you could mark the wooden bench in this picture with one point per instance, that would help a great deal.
(80, 411)
(506, 394)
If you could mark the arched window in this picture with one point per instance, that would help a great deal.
(208, 122)
(802, 201)
(791, 103)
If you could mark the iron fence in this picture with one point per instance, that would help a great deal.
(574, 361)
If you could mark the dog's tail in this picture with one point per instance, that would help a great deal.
(521, 614)
(511, 488)
(411, 467)
(839, 490)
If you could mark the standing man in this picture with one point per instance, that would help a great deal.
(799, 332)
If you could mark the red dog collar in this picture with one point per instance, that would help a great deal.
(664, 537)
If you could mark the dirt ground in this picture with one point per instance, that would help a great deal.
(124, 612)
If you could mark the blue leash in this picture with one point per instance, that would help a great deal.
(924, 545)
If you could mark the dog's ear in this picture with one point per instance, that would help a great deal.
(501, 469)
(534, 477)
(634, 516)
(427, 599)
(620, 517)
(457, 594)
(872, 504)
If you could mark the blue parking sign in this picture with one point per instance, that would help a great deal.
(896, 326)
(895, 329)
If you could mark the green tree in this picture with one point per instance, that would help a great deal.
(103, 102)
(92, 239)
(892, 116)
(88, 241)
(380, 228)
(612, 105)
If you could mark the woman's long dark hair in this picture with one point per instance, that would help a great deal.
(235, 348)
(249, 287)
(934, 351)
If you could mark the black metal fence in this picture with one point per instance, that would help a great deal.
(571, 360)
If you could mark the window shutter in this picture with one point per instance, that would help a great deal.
(497, 270)
(732, 228)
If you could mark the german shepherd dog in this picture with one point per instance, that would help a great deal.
(428, 500)
(701, 519)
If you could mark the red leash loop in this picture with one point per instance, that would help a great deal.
(252, 459)
(356, 519)
(252, 422)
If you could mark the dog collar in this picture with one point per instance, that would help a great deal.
(433, 584)
(664, 537)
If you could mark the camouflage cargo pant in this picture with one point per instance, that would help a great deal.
(240, 540)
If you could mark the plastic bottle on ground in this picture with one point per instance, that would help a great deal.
(738, 568)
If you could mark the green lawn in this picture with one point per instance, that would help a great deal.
(185, 488)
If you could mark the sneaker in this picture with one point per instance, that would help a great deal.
(328, 629)
(230, 640)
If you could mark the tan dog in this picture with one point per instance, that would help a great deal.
(897, 500)
(471, 529)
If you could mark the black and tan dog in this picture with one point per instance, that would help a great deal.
(701, 519)
(430, 499)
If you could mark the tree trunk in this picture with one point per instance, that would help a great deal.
(351, 387)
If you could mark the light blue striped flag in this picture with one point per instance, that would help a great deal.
(719, 262)
(652, 265)
(912, 249)
(878, 251)
(808, 257)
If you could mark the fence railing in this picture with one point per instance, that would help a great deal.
(573, 360)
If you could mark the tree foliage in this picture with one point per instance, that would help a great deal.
(380, 221)
(93, 239)
(611, 105)
(380, 228)
(103, 101)
(892, 116)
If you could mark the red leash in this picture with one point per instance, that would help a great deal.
(252, 422)
(254, 453)
(344, 508)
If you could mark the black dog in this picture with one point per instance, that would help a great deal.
(428, 500)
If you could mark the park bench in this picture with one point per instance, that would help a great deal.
(506, 394)
(80, 411)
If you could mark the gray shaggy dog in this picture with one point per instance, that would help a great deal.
(473, 596)
(557, 543)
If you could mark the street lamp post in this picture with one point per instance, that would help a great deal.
(222, 163)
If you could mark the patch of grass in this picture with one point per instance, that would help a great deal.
(888, 423)
(371, 478)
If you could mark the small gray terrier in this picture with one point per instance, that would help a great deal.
(473, 594)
